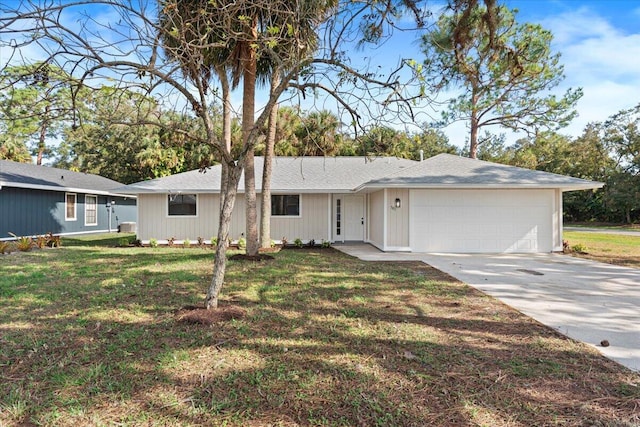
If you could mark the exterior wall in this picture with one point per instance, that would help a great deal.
(27, 212)
(397, 220)
(155, 223)
(376, 219)
(313, 222)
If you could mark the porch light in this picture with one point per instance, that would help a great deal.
(397, 204)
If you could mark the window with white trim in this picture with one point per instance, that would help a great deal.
(285, 205)
(90, 210)
(70, 207)
(182, 204)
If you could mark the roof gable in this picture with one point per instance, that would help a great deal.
(26, 175)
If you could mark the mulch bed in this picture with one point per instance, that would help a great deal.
(245, 257)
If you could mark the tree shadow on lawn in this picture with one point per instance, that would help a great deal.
(312, 349)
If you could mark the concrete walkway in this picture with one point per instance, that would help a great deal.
(585, 300)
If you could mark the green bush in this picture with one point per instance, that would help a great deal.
(153, 243)
(242, 243)
(186, 243)
(579, 248)
(123, 242)
(298, 243)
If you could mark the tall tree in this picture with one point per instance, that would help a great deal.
(504, 70)
(175, 56)
(35, 102)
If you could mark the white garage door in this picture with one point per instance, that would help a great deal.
(466, 221)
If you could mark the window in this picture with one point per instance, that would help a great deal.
(70, 207)
(182, 204)
(90, 210)
(285, 205)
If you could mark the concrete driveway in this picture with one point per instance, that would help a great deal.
(585, 300)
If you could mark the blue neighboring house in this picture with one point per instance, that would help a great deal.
(36, 200)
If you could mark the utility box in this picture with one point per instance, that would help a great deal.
(127, 227)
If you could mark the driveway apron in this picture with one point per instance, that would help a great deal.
(592, 302)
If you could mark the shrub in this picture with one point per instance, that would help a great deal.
(153, 243)
(186, 243)
(123, 242)
(41, 241)
(579, 248)
(53, 241)
(171, 241)
(5, 247)
(298, 243)
(326, 244)
(25, 244)
(242, 243)
(201, 242)
(214, 241)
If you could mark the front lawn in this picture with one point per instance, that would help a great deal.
(88, 336)
(609, 248)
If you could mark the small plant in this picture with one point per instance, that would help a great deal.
(25, 244)
(53, 241)
(5, 247)
(41, 241)
(298, 243)
(565, 246)
(284, 241)
(171, 241)
(312, 243)
(326, 244)
(579, 248)
(273, 243)
(186, 243)
(214, 242)
(123, 242)
(153, 243)
(242, 243)
(201, 242)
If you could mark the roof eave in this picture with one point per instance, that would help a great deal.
(65, 189)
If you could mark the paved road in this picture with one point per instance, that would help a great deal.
(604, 231)
(586, 300)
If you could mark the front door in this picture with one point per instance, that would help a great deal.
(353, 217)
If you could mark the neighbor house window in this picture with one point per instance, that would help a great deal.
(285, 205)
(90, 210)
(70, 207)
(182, 204)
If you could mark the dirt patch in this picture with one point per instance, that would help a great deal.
(202, 316)
(255, 258)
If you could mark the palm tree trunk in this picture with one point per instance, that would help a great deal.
(248, 118)
(265, 213)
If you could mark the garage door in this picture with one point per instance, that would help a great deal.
(465, 221)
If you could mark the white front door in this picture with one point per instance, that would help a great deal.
(353, 218)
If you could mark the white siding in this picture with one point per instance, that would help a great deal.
(376, 218)
(153, 221)
(397, 219)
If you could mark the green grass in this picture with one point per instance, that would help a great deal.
(605, 226)
(609, 248)
(88, 336)
(105, 239)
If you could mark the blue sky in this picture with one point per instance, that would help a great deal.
(600, 45)
(599, 41)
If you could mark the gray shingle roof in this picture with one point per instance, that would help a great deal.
(26, 175)
(345, 174)
(447, 170)
(303, 174)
